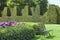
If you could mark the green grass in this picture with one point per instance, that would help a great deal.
(55, 32)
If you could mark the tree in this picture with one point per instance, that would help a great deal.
(42, 3)
(2, 4)
(31, 3)
(43, 6)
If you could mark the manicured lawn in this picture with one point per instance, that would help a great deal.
(55, 32)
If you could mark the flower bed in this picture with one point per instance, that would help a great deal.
(9, 24)
(19, 30)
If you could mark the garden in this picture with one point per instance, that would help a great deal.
(29, 20)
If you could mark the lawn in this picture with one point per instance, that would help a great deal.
(55, 32)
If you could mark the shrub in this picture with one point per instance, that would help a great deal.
(38, 28)
(16, 33)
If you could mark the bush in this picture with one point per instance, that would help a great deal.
(38, 28)
(16, 33)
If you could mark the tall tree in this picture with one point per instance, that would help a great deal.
(2, 4)
(30, 3)
(43, 6)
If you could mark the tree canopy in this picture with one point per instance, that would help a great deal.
(42, 3)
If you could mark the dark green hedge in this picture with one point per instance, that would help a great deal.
(16, 33)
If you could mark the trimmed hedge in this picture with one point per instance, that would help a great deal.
(51, 16)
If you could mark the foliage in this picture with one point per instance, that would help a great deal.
(2, 4)
(43, 6)
(47, 17)
(22, 32)
(43, 3)
(16, 33)
(58, 13)
(39, 28)
(50, 16)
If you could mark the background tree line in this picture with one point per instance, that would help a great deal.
(21, 4)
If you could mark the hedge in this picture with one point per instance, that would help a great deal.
(51, 16)
(16, 33)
